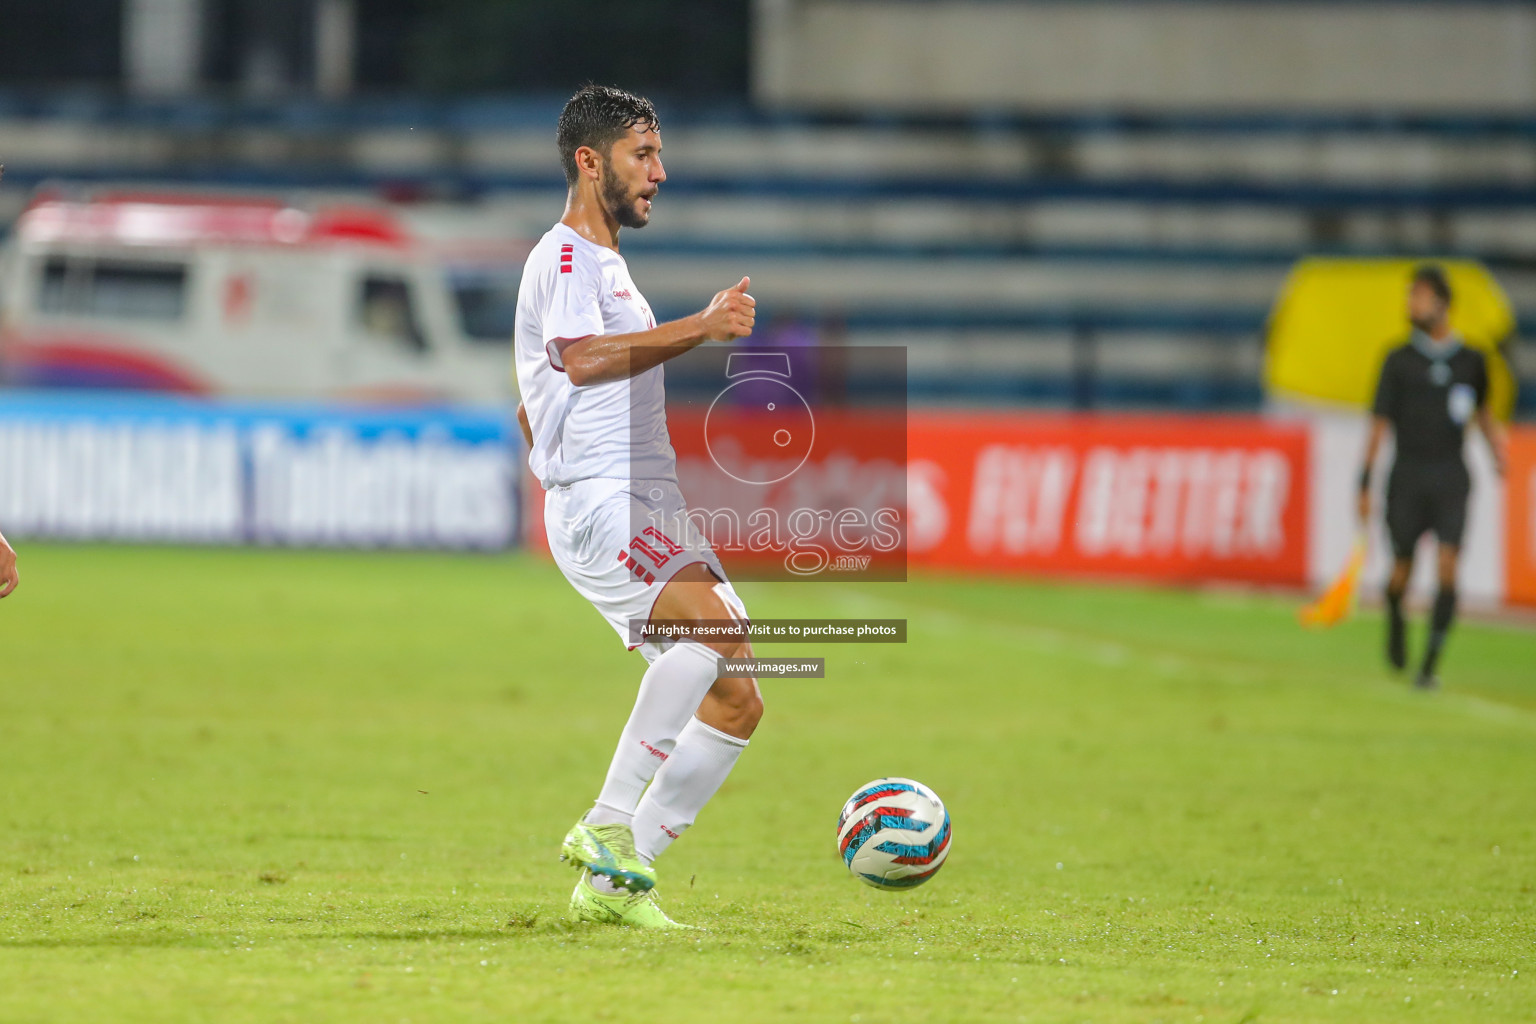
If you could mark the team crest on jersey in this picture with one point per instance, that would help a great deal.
(624, 294)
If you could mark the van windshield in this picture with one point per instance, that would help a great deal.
(485, 300)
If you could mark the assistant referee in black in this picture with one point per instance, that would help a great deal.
(1430, 387)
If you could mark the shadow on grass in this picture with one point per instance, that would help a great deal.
(221, 940)
(530, 922)
(135, 940)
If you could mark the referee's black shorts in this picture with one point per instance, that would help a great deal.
(1424, 496)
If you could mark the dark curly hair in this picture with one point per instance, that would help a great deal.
(1433, 276)
(598, 116)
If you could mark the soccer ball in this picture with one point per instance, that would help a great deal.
(893, 833)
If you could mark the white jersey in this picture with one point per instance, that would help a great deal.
(573, 289)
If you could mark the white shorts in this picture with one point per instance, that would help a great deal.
(619, 542)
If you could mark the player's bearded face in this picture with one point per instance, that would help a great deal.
(625, 202)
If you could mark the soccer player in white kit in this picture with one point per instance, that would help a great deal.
(589, 355)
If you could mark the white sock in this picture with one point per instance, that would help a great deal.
(702, 759)
(670, 693)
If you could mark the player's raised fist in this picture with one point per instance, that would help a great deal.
(731, 314)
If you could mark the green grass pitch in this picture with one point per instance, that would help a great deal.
(262, 786)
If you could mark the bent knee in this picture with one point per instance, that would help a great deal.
(749, 707)
(733, 705)
(745, 714)
(730, 647)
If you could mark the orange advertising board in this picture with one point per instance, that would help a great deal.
(1180, 499)
(1520, 517)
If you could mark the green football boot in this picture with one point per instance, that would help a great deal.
(635, 909)
(608, 850)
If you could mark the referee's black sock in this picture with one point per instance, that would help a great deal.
(1439, 625)
(1397, 641)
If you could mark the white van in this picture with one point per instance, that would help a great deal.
(253, 296)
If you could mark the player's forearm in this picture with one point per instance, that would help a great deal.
(1372, 446)
(608, 357)
(8, 575)
(1493, 433)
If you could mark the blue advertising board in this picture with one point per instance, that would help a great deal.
(136, 467)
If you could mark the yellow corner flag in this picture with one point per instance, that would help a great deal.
(1338, 601)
